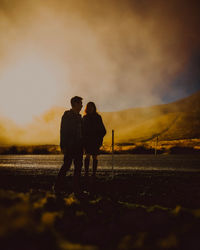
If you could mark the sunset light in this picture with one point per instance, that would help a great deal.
(29, 87)
(99, 124)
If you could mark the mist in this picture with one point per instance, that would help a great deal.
(119, 54)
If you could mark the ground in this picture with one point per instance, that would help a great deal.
(141, 210)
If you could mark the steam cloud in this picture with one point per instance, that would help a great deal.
(120, 54)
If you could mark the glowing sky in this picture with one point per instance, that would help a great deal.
(120, 54)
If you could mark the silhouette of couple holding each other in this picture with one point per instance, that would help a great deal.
(77, 135)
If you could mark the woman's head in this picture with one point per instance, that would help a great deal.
(90, 108)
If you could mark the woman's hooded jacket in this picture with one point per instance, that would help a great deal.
(93, 129)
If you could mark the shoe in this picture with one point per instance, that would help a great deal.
(57, 189)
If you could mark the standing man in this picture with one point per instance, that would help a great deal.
(71, 144)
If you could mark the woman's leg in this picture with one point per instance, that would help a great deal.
(86, 164)
(94, 165)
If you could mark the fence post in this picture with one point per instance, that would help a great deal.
(156, 144)
(113, 153)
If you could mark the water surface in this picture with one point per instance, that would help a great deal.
(40, 164)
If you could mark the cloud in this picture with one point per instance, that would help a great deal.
(120, 54)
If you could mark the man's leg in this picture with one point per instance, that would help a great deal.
(86, 165)
(63, 170)
(78, 162)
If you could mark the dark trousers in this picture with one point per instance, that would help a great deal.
(75, 156)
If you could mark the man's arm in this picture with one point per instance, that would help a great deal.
(63, 132)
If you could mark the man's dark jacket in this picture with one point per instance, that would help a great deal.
(71, 130)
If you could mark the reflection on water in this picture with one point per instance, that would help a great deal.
(38, 164)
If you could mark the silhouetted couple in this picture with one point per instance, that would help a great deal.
(77, 135)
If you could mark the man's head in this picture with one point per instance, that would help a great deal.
(76, 103)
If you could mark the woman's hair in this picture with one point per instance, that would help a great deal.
(89, 104)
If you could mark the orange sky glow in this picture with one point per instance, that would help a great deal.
(119, 55)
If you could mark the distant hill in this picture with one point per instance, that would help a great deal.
(177, 120)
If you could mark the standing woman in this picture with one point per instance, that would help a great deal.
(93, 133)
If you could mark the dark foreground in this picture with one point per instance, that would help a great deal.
(135, 210)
